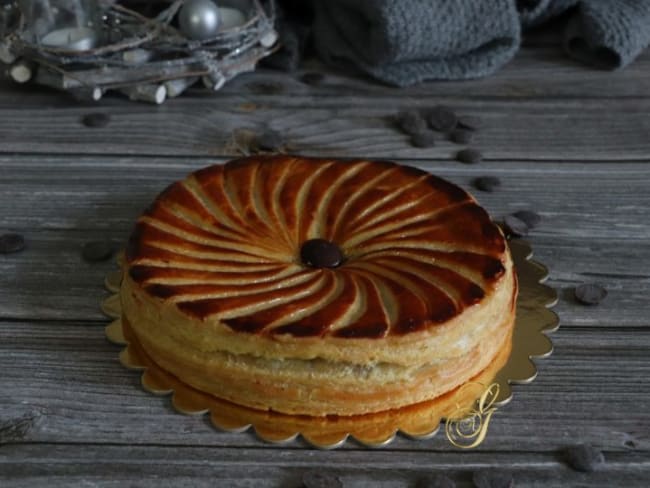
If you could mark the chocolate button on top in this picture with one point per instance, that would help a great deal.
(320, 253)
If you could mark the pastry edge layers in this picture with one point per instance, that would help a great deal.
(290, 386)
(155, 318)
(278, 387)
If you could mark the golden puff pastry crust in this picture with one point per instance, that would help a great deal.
(219, 292)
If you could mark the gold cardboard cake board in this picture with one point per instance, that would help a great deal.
(467, 409)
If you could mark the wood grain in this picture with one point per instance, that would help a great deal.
(540, 69)
(593, 229)
(50, 280)
(577, 200)
(70, 464)
(568, 142)
(514, 130)
(545, 109)
(78, 392)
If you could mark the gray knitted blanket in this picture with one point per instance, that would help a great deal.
(402, 42)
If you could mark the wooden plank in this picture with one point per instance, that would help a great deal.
(50, 280)
(577, 200)
(65, 465)
(522, 120)
(64, 384)
(536, 71)
(71, 415)
(540, 68)
(598, 233)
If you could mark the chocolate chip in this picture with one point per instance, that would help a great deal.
(531, 218)
(469, 156)
(320, 253)
(469, 123)
(266, 88)
(312, 78)
(437, 481)
(513, 227)
(423, 139)
(487, 183)
(96, 120)
(320, 480)
(97, 251)
(269, 140)
(584, 457)
(410, 122)
(10, 243)
(629, 440)
(590, 293)
(493, 479)
(442, 119)
(461, 136)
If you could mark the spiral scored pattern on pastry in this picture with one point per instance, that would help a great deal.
(224, 245)
(217, 293)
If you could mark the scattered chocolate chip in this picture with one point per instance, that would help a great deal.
(442, 119)
(410, 122)
(320, 253)
(461, 136)
(10, 243)
(269, 140)
(493, 479)
(584, 457)
(437, 481)
(630, 444)
(312, 78)
(513, 227)
(266, 88)
(97, 251)
(423, 139)
(96, 120)
(590, 293)
(469, 156)
(531, 218)
(487, 183)
(320, 480)
(469, 123)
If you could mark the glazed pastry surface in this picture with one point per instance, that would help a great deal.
(217, 285)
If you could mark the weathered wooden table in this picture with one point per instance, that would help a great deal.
(571, 143)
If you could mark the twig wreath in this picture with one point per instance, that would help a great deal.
(146, 58)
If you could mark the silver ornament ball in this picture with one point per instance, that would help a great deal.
(199, 19)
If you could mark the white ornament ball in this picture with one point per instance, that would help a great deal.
(230, 17)
(199, 19)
